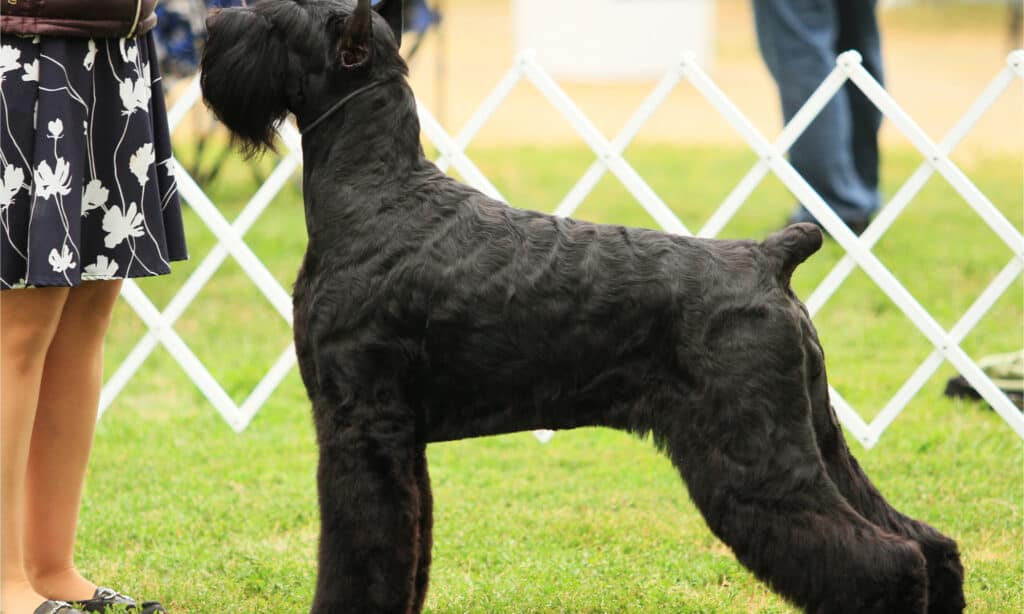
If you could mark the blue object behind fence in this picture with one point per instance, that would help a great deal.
(181, 30)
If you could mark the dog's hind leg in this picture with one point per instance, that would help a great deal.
(785, 522)
(370, 512)
(945, 573)
(745, 446)
(426, 527)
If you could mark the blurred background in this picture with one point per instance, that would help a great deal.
(938, 55)
(608, 54)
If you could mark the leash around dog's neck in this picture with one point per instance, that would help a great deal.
(338, 105)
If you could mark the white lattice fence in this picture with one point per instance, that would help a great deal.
(771, 159)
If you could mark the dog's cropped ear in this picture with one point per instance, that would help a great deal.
(244, 75)
(355, 43)
(391, 11)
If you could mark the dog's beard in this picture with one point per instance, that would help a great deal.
(244, 69)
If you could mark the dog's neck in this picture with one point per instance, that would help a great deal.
(340, 104)
(356, 157)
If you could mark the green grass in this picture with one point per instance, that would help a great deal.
(180, 508)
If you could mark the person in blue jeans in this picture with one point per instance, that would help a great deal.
(838, 153)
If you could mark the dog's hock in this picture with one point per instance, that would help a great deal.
(792, 245)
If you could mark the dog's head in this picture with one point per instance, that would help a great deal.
(298, 56)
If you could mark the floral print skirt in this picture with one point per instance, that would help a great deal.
(86, 176)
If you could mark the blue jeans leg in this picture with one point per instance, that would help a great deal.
(858, 29)
(838, 153)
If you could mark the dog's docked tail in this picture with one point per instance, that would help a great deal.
(791, 246)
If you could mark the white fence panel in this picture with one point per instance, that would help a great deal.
(771, 159)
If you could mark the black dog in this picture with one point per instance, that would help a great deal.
(425, 311)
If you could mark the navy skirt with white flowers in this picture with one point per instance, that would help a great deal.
(86, 176)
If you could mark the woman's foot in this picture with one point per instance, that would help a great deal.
(106, 598)
(70, 586)
(57, 607)
(19, 598)
(66, 585)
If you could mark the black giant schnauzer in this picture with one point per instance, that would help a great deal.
(426, 311)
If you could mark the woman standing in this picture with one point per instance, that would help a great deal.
(87, 198)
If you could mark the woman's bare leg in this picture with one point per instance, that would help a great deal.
(62, 439)
(29, 320)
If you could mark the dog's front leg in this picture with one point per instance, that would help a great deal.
(426, 540)
(370, 511)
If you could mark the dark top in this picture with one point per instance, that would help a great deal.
(84, 18)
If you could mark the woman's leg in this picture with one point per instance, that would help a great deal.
(62, 439)
(28, 322)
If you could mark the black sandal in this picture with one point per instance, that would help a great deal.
(105, 598)
(56, 607)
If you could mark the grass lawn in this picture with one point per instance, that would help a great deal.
(180, 508)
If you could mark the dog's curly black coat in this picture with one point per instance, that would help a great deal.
(426, 311)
